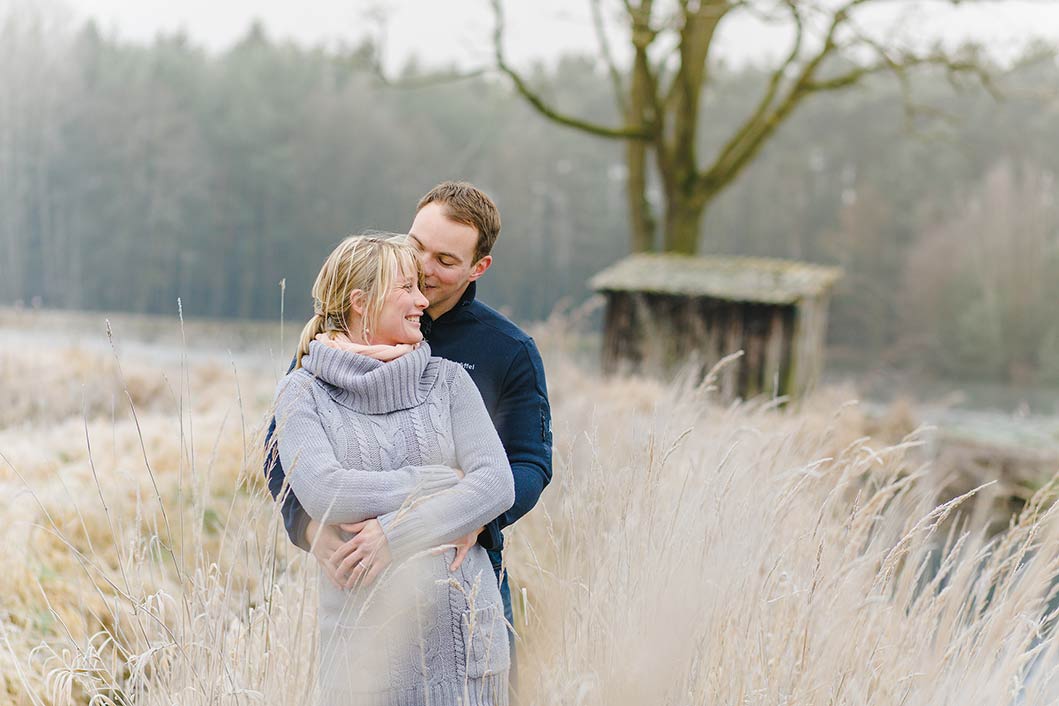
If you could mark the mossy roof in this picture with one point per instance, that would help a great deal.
(745, 279)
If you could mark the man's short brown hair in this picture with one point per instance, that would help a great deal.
(466, 204)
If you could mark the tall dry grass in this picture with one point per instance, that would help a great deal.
(686, 553)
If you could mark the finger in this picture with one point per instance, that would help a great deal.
(363, 569)
(351, 526)
(369, 578)
(343, 551)
(348, 569)
(327, 536)
(441, 549)
(355, 575)
(356, 569)
(461, 554)
(360, 571)
(373, 573)
(346, 566)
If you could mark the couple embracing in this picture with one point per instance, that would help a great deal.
(413, 426)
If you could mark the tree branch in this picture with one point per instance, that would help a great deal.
(747, 141)
(608, 58)
(643, 107)
(633, 132)
(900, 65)
(774, 84)
(696, 38)
(807, 84)
(413, 82)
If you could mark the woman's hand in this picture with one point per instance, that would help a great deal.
(367, 554)
(328, 547)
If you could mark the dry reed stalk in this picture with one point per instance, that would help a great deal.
(685, 554)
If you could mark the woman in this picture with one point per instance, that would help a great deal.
(375, 431)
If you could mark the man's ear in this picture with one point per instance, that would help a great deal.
(480, 267)
(356, 301)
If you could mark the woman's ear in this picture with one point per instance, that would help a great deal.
(356, 302)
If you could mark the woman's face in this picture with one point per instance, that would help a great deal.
(399, 318)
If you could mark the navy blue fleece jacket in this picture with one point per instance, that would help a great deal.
(504, 363)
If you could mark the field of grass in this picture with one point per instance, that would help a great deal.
(686, 552)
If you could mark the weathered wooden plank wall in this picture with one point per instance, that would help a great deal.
(656, 334)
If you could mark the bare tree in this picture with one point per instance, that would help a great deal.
(659, 96)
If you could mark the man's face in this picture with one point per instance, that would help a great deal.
(446, 251)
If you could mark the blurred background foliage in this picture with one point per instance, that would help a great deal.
(132, 175)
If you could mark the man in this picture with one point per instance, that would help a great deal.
(454, 229)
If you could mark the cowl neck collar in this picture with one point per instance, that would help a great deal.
(371, 386)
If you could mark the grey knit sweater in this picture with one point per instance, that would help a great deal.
(362, 439)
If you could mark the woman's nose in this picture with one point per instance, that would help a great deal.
(421, 301)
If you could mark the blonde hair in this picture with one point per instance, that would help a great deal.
(368, 262)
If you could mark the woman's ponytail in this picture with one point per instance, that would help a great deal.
(311, 329)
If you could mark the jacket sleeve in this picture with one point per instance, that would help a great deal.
(523, 420)
(485, 491)
(328, 492)
(294, 518)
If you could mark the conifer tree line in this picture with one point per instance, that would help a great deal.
(135, 174)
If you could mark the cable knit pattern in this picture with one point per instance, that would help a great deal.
(359, 439)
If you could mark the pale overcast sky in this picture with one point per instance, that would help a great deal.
(458, 31)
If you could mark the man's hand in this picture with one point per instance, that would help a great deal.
(463, 545)
(328, 548)
(360, 560)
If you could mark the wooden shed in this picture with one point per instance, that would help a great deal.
(664, 310)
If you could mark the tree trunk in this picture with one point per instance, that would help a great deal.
(683, 218)
(641, 220)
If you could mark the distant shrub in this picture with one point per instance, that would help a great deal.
(980, 288)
